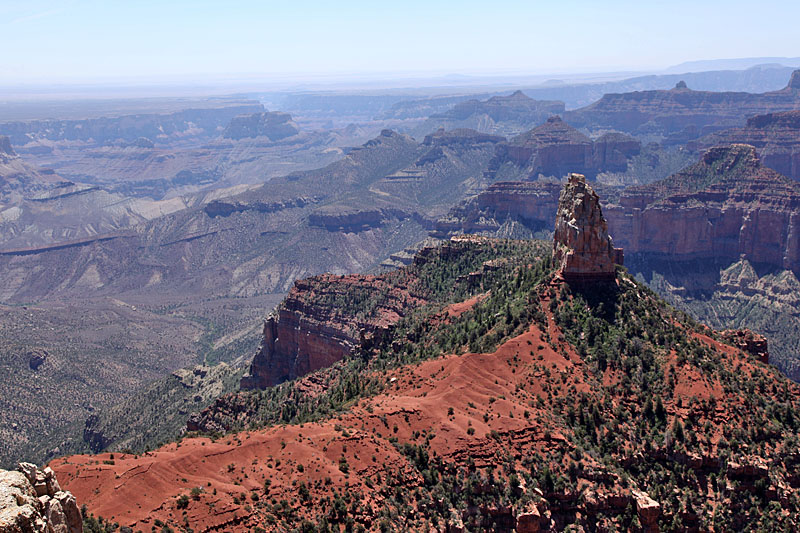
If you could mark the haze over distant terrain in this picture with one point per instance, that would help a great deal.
(211, 43)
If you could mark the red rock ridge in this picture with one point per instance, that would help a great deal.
(555, 148)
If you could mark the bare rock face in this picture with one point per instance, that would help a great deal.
(273, 125)
(648, 510)
(312, 328)
(728, 206)
(582, 248)
(31, 500)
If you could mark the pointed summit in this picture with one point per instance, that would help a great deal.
(582, 248)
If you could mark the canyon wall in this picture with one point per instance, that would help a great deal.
(776, 137)
(681, 114)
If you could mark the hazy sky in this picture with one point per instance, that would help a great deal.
(88, 40)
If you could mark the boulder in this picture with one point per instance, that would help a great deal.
(31, 500)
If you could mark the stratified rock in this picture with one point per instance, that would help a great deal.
(555, 148)
(776, 137)
(582, 248)
(273, 125)
(681, 112)
(311, 329)
(31, 501)
(726, 207)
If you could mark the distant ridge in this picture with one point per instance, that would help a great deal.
(731, 64)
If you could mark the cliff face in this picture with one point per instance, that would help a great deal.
(189, 123)
(556, 148)
(682, 112)
(727, 206)
(776, 137)
(312, 329)
(582, 248)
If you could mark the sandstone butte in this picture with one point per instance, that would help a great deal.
(582, 248)
(555, 147)
(726, 207)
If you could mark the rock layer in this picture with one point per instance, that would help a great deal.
(726, 207)
(776, 137)
(582, 248)
(555, 148)
(273, 125)
(311, 328)
(681, 112)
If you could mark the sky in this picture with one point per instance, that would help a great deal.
(94, 41)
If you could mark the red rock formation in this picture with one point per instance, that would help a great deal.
(726, 207)
(681, 110)
(776, 137)
(582, 248)
(749, 342)
(316, 325)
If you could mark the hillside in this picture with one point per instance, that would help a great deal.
(241, 252)
(516, 401)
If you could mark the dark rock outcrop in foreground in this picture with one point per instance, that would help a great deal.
(31, 500)
(582, 248)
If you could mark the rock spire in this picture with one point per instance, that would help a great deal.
(582, 248)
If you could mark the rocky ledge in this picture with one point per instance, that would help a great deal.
(31, 501)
